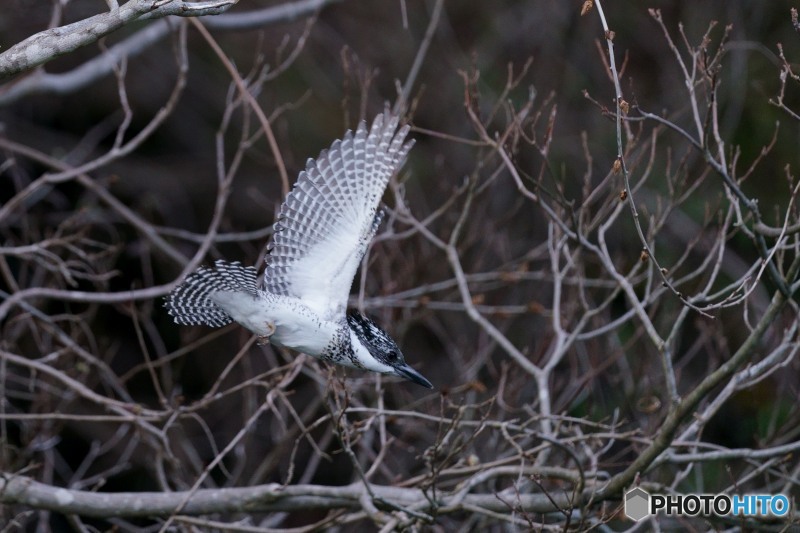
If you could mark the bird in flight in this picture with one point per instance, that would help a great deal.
(323, 230)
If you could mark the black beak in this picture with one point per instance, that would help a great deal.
(405, 371)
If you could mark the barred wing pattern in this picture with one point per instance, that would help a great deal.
(329, 218)
(192, 301)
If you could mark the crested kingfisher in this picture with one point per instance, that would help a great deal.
(322, 232)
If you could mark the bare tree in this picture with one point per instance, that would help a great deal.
(601, 280)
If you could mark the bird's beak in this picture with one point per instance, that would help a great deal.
(410, 374)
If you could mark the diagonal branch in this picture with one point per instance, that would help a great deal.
(688, 405)
(83, 75)
(54, 42)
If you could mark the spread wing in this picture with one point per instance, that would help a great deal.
(330, 216)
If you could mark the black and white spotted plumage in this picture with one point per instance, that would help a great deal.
(328, 220)
(323, 229)
(189, 303)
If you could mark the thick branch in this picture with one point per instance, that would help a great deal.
(262, 498)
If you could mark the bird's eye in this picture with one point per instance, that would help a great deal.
(392, 356)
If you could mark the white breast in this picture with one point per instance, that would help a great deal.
(295, 325)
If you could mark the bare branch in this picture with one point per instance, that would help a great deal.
(274, 497)
(55, 42)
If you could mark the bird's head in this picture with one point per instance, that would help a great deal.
(384, 354)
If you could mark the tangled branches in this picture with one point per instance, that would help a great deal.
(603, 290)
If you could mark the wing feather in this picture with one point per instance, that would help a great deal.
(329, 218)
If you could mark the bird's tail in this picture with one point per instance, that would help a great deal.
(191, 303)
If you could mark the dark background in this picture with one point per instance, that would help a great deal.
(348, 68)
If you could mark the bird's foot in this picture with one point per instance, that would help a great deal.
(264, 339)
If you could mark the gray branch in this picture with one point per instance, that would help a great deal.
(262, 498)
(49, 44)
(103, 65)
